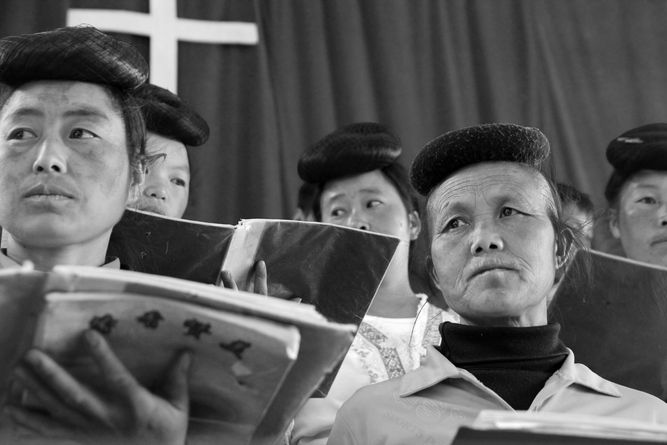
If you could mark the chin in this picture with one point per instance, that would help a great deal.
(55, 234)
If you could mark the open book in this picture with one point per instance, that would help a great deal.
(506, 427)
(336, 269)
(613, 315)
(256, 359)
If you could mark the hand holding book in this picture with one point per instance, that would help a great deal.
(124, 411)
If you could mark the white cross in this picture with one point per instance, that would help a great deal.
(165, 29)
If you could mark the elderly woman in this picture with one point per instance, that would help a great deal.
(361, 184)
(637, 193)
(498, 247)
(71, 148)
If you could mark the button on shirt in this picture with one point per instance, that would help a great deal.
(429, 404)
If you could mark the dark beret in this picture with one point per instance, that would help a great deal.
(167, 115)
(642, 148)
(350, 150)
(81, 53)
(452, 151)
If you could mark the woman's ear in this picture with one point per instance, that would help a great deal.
(431, 272)
(415, 224)
(613, 223)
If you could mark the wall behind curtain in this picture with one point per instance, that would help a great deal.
(582, 70)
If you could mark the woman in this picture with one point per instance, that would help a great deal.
(637, 193)
(498, 247)
(171, 127)
(362, 185)
(71, 148)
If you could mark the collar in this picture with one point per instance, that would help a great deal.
(437, 369)
(8, 263)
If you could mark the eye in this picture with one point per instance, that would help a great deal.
(179, 182)
(647, 200)
(373, 203)
(337, 213)
(453, 224)
(508, 211)
(80, 133)
(21, 134)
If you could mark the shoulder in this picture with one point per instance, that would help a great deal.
(619, 400)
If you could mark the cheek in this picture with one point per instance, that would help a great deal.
(110, 174)
(634, 222)
(448, 261)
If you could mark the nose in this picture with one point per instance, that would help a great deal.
(662, 215)
(51, 158)
(485, 239)
(156, 191)
(357, 221)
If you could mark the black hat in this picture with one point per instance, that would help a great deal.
(80, 53)
(167, 115)
(456, 149)
(350, 150)
(642, 148)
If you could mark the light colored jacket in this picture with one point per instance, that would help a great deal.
(428, 405)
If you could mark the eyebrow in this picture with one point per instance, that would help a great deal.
(364, 190)
(26, 112)
(81, 111)
(85, 111)
(183, 168)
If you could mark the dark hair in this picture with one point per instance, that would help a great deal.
(396, 174)
(570, 195)
(124, 101)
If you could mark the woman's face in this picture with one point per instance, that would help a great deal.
(64, 169)
(166, 185)
(640, 219)
(493, 244)
(370, 202)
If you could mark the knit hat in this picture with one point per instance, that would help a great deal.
(497, 142)
(167, 115)
(81, 53)
(642, 148)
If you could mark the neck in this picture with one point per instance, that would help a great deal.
(535, 316)
(89, 253)
(395, 298)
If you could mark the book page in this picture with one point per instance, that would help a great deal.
(239, 362)
(180, 248)
(613, 315)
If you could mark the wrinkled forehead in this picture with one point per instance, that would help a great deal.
(59, 97)
(475, 187)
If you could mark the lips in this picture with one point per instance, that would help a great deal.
(54, 190)
(151, 207)
(661, 239)
(487, 266)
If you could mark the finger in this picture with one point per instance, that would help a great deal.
(15, 391)
(34, 422)
(261, 285)
(116, 377)
(176, 384)
(42, 395)
(227, 280)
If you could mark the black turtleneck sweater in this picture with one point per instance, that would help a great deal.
(515, 362)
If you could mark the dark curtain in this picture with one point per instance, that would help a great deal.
(582, 70)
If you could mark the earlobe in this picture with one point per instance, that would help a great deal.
(415, 225)
(613, 224)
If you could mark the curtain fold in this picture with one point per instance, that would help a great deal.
(582, 70)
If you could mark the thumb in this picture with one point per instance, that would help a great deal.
(175, 389)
